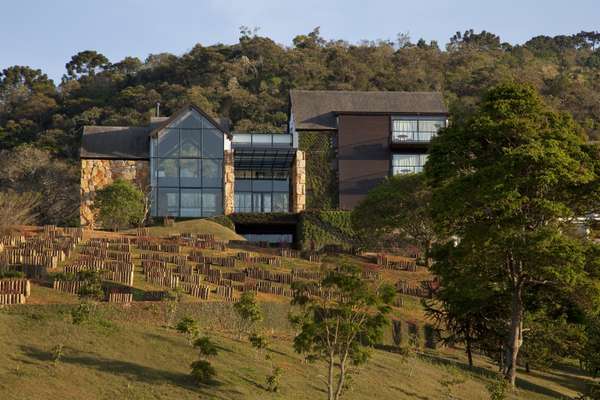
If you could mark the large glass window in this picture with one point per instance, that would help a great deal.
(262, 191)
(187, 168)
(416, 129)
(408, 163)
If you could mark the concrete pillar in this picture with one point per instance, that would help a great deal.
(228, 183)
(299, 182)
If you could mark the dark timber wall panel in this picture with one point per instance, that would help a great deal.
(363, 154)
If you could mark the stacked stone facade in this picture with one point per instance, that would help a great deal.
(97, 174)
(299, 182)
(228, 183)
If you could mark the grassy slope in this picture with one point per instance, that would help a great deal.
(195, 226)
(133, 356)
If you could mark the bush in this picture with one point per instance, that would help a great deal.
(120, 205)
(202, 372)
(273, 380)
(82, 313)
(497, 388)
(248, 311)
(189, 327)
(206, 347)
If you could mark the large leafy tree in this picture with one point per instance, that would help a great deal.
(339, 329)
(399, 206)
(505, 183)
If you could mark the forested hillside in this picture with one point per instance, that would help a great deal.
(249, 81)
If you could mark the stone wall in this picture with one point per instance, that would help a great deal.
(299, 182)
(228, 183)
(97, 174)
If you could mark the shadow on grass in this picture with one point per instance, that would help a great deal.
(129, 370)
(522, 382)
(411, 395)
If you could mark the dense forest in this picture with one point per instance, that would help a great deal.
(248, 82)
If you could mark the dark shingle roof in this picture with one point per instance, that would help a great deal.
(317, 109)
(133, 142)
(115, 142)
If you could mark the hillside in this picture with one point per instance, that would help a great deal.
(132, 351)
(129, 354)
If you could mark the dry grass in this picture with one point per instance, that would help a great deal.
(129, 354)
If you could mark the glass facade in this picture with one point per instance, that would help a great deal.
(261, 191)
(408, 163)
(187, 168)
(416, 129)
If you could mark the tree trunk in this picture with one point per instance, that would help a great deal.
(331, 395)
(469, 351)
(516, 328)
(342, 378)
(426, 253)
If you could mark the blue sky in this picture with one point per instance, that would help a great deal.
(45, 34)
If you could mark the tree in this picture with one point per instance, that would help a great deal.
(30, 169)
(188, 327)
(86, 63)
(472, 313)
(120, 204)
(399, 205)
(17, 209)
(202, 371)
(505, 183)
(248, 311)
(340, 330)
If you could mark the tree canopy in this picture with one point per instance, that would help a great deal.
(249, 81)
(506, 183)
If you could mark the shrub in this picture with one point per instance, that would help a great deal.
(497, 389)
(81, 313)
(121, 204)
(189, 327)
(273, 380)
(202, 372)
(248, 311)
(206, 347)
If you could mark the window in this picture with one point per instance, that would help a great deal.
(168, 202)
(416, 129)
(168, 144)
(189, 173)
(261, 191)
(187, 168)
(167, 172)
(280, 202)
(212, 173)
(211, 202)
(408, 163)
(243, 202)
(191, 203)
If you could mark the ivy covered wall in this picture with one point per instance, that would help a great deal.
(317, 229)
(321, 170)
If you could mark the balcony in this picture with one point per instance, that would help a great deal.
(412, 137)
(262, 140)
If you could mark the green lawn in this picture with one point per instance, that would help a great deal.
(131, 355)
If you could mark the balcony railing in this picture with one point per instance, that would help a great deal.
(281, 140)
(412, 137)
(401, 170)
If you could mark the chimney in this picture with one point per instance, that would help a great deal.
(157, 109)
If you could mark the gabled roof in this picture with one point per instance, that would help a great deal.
(163, 124)
(133, 142)
(317, 109)
(115, 142)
